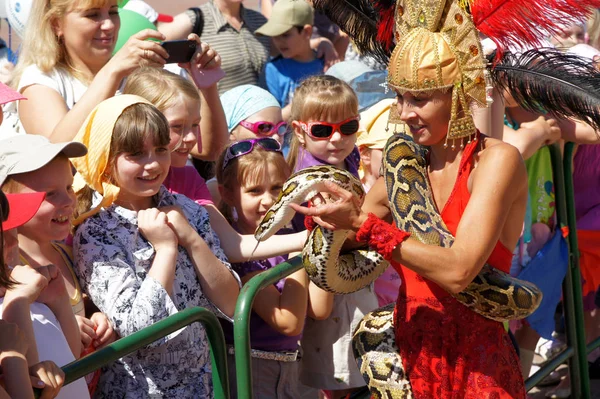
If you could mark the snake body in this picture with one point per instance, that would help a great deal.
(492, 294)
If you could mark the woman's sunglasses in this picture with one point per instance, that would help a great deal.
(324, 130)
(244, 147)
(266, 128)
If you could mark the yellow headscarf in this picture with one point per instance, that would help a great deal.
(96, 134)
(374, 121)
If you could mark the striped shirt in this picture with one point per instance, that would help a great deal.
(243, 55)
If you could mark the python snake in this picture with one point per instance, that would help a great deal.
(492, 294)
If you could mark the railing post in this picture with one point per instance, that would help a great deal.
(579, 375)
(241, 325)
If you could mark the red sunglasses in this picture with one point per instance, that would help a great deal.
(266, 128)
(324, 130)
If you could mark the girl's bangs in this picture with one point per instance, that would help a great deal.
(136, 124)
(330, 106)
(255, 168)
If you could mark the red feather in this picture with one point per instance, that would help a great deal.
(527, 22)
(386, 20)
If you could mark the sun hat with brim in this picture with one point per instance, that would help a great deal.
(24, 153)
(285, 15)
(22, 207)
(8, 95)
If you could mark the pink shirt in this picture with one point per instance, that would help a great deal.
(187, 181)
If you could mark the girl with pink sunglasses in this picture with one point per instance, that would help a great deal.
(252, 112)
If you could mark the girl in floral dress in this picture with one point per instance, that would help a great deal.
(143, 254)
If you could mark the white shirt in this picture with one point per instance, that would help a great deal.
(52, 345)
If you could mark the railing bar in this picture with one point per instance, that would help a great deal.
(549, 367)
(241, 326)
(118, 349)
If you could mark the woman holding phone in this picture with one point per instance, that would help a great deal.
(67, 67)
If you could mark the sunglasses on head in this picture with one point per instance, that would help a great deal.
(266, 128)
(324, 130)
(244, 147)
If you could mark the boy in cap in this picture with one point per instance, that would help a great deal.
(290, 26)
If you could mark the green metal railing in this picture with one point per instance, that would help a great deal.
(576, 351)
(241, 325)
(118, 349)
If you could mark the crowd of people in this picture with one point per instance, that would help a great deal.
(131, 188)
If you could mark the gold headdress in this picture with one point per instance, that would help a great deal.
(438, 47)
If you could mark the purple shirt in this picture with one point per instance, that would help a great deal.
(263, 336)
(586, 187)
(306, 159)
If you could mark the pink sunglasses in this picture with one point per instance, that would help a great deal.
(266, 128)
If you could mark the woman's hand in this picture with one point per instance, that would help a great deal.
(50, 374)
(153, 224)
(205, 65)
(340, 212)
(104, 332)
(139, 51)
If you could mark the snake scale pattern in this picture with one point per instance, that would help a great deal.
(492, 294)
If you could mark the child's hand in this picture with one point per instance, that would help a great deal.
(205, 65)
(56, 291)
(50, 374)
(30, 283)
(153, 225)
(87, 330)
(180, 225)
(104, 332)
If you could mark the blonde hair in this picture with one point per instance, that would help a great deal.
(247, 169)
(161, 87)
(41, 45)
(593, 29)
(137, 123)
(324, 98)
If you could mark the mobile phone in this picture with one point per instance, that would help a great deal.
(180, 51)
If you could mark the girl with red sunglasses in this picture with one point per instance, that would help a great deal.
(325, 123)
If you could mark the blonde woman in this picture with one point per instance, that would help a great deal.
(67, 65)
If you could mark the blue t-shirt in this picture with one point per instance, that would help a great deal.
(283, 75)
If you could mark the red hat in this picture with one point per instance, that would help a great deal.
(22, 207)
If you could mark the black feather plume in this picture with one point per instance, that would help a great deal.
(358, 19)
(564, 85)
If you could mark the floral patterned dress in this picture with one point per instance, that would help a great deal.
(112, 261)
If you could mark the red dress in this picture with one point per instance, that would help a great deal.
(449, 351)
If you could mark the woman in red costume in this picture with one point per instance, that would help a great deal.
(479, 186)
(481, 191)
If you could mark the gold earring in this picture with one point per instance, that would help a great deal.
(394, 118)
(459, 128)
